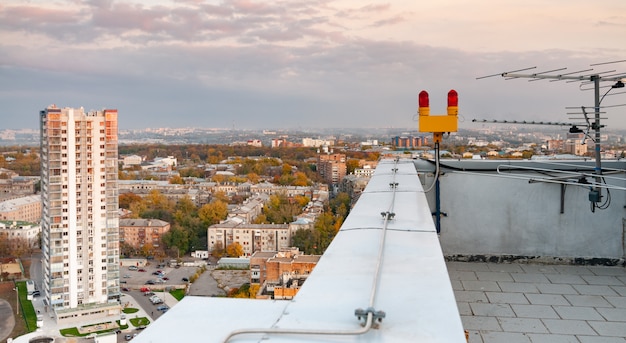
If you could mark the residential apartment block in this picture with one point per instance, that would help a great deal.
(139, 232)
(27, 208)
(80, 232)
(332, 167)
(252, 237)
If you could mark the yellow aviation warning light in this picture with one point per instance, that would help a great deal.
(438, 124)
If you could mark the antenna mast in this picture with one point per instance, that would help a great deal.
(579, 76)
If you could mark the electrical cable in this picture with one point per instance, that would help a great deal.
(437, 169)
(369, 319)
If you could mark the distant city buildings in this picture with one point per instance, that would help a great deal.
(409, 142)
(12, 184)
(80, 228)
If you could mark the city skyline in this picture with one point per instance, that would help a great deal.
(309, 64)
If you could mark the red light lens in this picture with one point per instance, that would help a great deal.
(423, 99)
(453, 98)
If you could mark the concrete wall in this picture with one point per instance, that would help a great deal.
(489, 214)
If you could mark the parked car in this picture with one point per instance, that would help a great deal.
(162, 308)
(150, 282)
(185, 279)
(148, 294)
(141, 270)
(125, 289)
(126, 276)
(132, 268)
(145, 289)
(128, 337)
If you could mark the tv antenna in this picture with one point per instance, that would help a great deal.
(585, 77)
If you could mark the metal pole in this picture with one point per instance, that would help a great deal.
(437, 194)
(17, 301)
(598, 169)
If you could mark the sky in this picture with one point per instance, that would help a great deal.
(297, 64)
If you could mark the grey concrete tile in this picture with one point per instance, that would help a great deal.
(505, 267)
(599, 339)
(519, 287)
(494, 276)
(464, 308)
(474, 336)
(480, 323)
(613, 329)
(506, 298)
(469, 266)
(587, 300)
(594, 290)
(505, 337)
(552, 338)
(492, 310)
(571, 327)
(538, 269)
(619, 302)
(601, 270)
(534, 311)
(613, 314)
(622, 279)
(546, 299)
(456, 285)
(462, 275)
(578, 312)
(481, 286)
(621, 290)
(535, 278)
(523, 325)
(607, 280)
(566, 279)
(573, 270)
(556, 288)
(470, 296)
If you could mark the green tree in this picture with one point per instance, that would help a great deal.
(177, 239)
(305, 240)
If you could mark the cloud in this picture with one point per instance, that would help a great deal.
(281, 63)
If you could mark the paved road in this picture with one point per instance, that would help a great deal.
(7, 319)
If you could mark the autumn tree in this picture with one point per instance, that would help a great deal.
(234, 250)
(213, 213)
(126, 199)
(177, 180)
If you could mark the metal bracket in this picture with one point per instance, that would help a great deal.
(377, 316)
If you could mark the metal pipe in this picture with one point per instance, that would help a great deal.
(598, 169)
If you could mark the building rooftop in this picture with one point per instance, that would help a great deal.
(387, 262)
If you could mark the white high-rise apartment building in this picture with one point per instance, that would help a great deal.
(80, 230)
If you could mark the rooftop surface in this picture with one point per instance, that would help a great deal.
(532, 303)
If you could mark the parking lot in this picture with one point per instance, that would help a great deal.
(143, 276)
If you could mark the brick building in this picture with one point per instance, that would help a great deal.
(281, 273)
(138, 232)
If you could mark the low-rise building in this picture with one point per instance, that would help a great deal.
(139, 232)
(29, 232)
(26, 208)
(282, 273)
